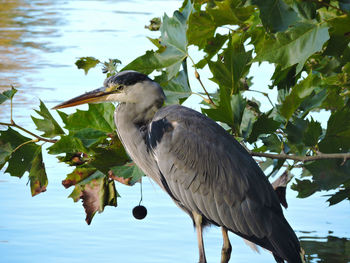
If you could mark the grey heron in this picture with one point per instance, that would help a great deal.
(206, 172)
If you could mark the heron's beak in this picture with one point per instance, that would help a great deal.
(95, 96)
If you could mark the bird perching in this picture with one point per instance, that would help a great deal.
(203, 168)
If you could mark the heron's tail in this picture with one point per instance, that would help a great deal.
(284, 241)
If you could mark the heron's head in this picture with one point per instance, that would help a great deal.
(125, 87)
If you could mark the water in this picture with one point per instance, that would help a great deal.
(39, 43)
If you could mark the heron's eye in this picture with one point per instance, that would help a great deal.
(114, 87)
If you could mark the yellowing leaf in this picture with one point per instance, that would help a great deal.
(37, 175)
(86, 63)
(96, 192)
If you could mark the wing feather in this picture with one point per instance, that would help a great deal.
(211, 173)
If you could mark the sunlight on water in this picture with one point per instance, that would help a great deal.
(39, 43)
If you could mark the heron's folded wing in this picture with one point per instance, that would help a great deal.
(209, 172)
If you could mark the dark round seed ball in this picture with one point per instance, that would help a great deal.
(139, 212)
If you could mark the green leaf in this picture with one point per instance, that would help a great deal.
(67, 144)
(152, 60)
(295, 130)
(238, 106)
(339, 35)
(173, 38)
(63, 116)
(273, 143)
(155, 24)
(201, 28)
(99, 117)
(305, 10)
(110, 67)
(86, 63)
(263, 125)
(275, 15)
(5, 152)
(304, 188)
(230, 12)
(203, 24)
(90, 137)
(339, 196)
(21, 160)
(7, 95)
(312, 133)
(48, 124)
(337, 138)
(128, 171)
(329, 174)
(37, 175)
(110, 155)
(301, 91)
(229, 111)
(248, 119)
(313, 101)
(175, 89)
(211, 48)
(284, 79)
(91, 132)
(234, 65)
(303, 38)
(333, 101)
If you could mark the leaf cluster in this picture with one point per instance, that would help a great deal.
(87, 142)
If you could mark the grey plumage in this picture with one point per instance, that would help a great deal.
(203, 168)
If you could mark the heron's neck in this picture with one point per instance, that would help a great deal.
(136, 114)
(131, 126)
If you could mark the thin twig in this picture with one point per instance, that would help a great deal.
(22, 144)
(13, 124)
(263, 93)
(11, 108)
(198, 77)
(329, 5)
(284, 165)
(205, 90)
(303, 159)
(200, 95)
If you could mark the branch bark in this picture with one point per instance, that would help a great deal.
(303, 159)
(13, 124)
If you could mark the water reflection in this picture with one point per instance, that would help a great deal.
(24, 27)
(326, 249)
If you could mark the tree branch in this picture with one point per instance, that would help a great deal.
(303, 159)
(210, 101)
(13, 124)
(329, 5)
(263, 93)
(205, 90)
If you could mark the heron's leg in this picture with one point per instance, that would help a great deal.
(226, 248)
(199, 229)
